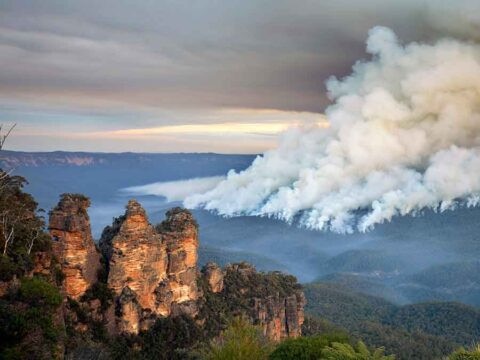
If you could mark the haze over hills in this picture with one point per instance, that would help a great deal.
(432, 256)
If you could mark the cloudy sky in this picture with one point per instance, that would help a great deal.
(165, 76)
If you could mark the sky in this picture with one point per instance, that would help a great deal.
(187, 76)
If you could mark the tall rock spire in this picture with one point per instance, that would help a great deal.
(73, 244)
(152, 273)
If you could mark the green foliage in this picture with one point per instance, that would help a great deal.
(306, 348)
(78, 309)
(240, 341)
(99, 291)
(245, 284)
(462, 354)
(421, 331)
(406, 345)
(457, 322)
(240, 286)
(169, 338)
(21, 229)
(38, 292)
(343, 351)
(313, 325)
(27, 321)
(16, 263)
(58, 275)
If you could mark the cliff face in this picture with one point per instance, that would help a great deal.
(180, 233)
(275, 301)
(280, 317)
(73, 244)
(138, 257)
(214, 276)
(152, 273)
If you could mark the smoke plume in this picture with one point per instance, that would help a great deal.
(175, 190)
(403, 136)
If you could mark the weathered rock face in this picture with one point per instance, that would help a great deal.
(214, 276)
(138, 260)
(279, 310)
(280, 317)
(180, 233)
(73, 244)
(152, 273)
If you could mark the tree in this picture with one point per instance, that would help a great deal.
(240, 341)
(341, 351)
(21, 229)
(5, 134)
(306, 348)
(3, 138)
(462, 354)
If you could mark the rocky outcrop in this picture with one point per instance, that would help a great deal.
(151, 271)
(280, 317)
(73, 244)
(138, 257)
(276, 301)
(180, 233)
(214, 276)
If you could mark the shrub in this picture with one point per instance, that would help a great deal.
(306, 348)
(169, 338)
(8, 268)
(240, 341)
(99, 291)
(462, 354)
(38, 292)
(339, 351)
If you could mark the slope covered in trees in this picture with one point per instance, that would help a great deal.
(420, 331)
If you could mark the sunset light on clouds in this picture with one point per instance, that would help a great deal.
(183, 76)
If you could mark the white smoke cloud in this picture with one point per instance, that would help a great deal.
(404, 135)
(176, 190)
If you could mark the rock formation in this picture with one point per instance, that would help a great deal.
(73, 244)
(152, 273)
(180, 233)
(214, 276)
(278, 309)
(280, 317)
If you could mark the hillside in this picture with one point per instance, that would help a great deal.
(418, 331)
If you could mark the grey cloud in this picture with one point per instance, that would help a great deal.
(190, 54)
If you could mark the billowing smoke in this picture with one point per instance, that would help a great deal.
(403, 136)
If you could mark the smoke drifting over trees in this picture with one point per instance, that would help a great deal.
(403, 135)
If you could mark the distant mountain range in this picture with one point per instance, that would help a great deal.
(14, 159)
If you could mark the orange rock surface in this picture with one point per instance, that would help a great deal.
(73, 244)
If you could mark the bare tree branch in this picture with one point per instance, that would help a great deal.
(30, 242)
(3, 138)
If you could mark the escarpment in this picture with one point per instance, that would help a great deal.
(151, 272)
